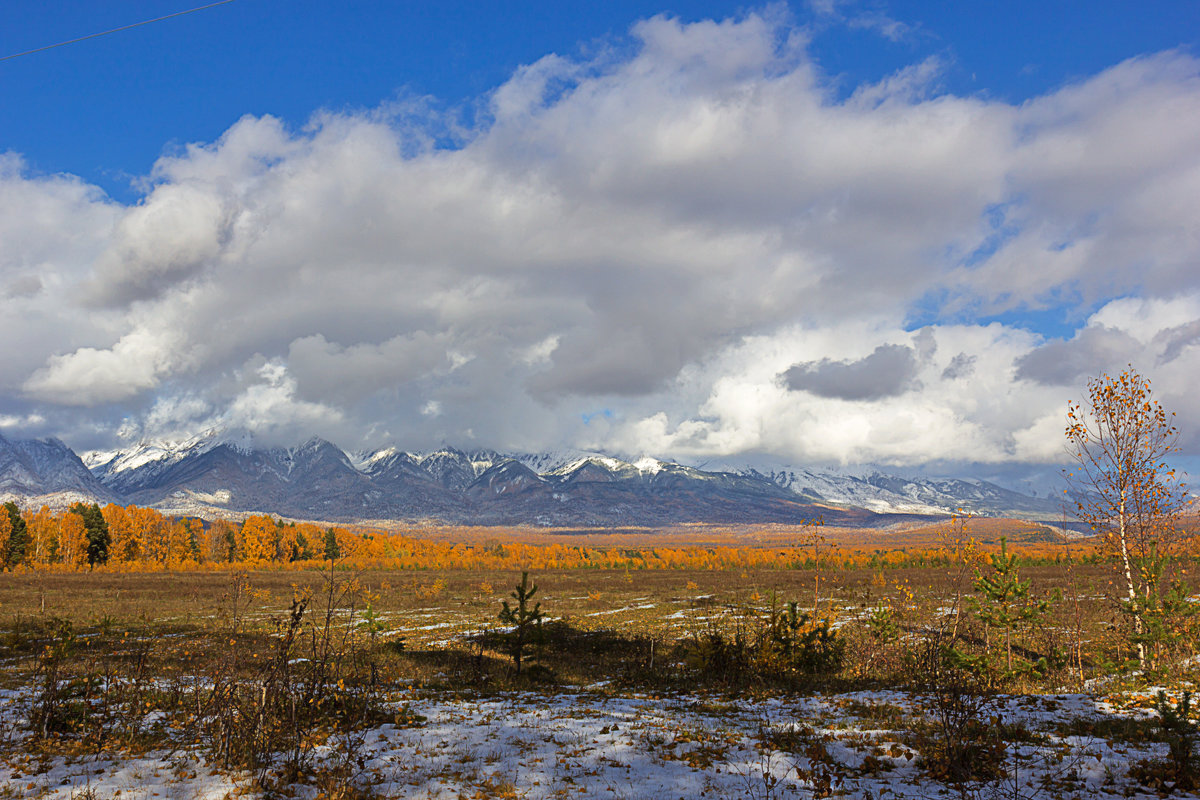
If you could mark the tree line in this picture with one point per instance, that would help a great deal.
(131, 537)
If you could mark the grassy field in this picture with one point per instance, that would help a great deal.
(637, 683)
(661, 602)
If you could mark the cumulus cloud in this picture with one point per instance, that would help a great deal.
(268, 407)
(1176, 339)
(158, 244)
(1156, 332)
(89, 376)
(660, 230)
(745, 408)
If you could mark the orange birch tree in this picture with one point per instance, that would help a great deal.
(1124, 488)
(72, 540)
(258, 539)
(221, 542)
(5, 534)
(121, 544)
(43, 536)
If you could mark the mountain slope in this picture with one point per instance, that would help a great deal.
(890, 494)
(47, 472)
(315, 481)
(222, 473)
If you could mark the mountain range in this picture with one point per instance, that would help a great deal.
(217, 474)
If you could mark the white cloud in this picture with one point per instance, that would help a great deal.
(1146, 318)
(270, 410)
(21, 422)
(749, 410)
(166, 240)
(89, 376)
(659, 231)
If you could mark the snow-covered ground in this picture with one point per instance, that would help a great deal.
(550, 745)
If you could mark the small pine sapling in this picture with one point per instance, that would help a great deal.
(525, 621)
(809, 646)
(332, 550)
(1169, 618)
(1006, 604)
(882, 623)
(374, 626)
(1181, 733)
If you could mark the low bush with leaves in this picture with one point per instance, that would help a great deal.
(784, 646)
(961, 741)
(1179, 728)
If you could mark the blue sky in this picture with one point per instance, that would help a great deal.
(105, 109)
(829, 232)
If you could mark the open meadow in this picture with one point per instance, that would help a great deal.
(902, 679)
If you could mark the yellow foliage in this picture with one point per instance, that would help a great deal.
(430, 592)
(143, 539)
(42, 529)
(5, 533)
(72, 540)
(258, 541)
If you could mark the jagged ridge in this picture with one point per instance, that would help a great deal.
(219, 473)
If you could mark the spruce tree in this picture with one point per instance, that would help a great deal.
(1006, 602)
(98, 538)
(522, 618)
(18, 538)
(332, 551)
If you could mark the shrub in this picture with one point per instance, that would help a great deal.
(786, 646)
(1179, 730)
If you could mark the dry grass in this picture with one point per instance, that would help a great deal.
(192, 599)
(608, 624)
(435, 633)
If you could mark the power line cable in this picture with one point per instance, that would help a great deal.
(115, 30)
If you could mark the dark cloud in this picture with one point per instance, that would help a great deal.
(1067, 362)
(327, 371)
(1175, 340)
(887, 372)
(24, 286)
(961, 366)
(925, 343)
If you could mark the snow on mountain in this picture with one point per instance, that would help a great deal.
(649, 465)
(124, 469)
(507, 476)
(46, 472)
(223, 471)
(455, 469)
(550, 460)
(594, 467)
(564, 463)
(890, 494)
(365, 460)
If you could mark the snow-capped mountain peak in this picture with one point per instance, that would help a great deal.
(318, 480)
(649, 465)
